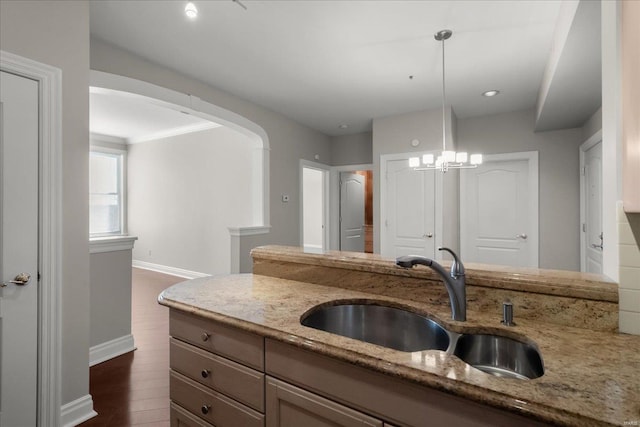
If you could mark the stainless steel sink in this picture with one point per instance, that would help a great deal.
(500, 356)
(408, 331)
(382, 325)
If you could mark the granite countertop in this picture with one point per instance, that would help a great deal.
(535, 280)
(591, 378)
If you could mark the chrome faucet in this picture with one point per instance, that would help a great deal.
(453, 280)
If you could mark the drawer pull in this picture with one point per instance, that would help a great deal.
(205, 409)
(205, 336)
(205, 373)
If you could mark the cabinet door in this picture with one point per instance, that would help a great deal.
(289, 406)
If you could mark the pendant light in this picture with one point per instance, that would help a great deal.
(449, 159)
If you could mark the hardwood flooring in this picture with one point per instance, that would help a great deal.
(133, 389)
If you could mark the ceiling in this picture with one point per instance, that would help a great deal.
(328, 63)
(134, 118)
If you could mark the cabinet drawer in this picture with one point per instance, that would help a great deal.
(237, 381)
(180, 417)
(210, 405)
(235, 344)
(290, 406)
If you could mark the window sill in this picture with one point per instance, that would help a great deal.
(111, 244)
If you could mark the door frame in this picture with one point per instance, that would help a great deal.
(532, 158)
(325, 169)
(438, 229)
(584, 147)
(50, 234)
(334, 194)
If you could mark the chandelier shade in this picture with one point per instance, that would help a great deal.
(448, 159)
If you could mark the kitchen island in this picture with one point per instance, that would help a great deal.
(592, 377)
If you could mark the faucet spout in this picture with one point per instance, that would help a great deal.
(453, 281)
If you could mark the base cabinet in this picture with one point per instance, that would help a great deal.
(226, 377)
(290, 406)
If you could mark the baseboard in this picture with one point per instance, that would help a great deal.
(172, 271)
(110, 349)
(77, 412)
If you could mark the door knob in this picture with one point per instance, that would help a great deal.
(594, 246)
(427, 235)
(521, 236)
(21, 279)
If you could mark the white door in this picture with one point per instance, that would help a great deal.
(352, 192)
(592, 227)
(409, 206)
(19, 249)
(499, 211)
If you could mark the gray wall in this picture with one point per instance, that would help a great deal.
(394, 134)
(559, 179)
(110, 296)
(289, 141)
(502, 133)
(593, 125)
(355, 149)
(57, 33)
(184, 191)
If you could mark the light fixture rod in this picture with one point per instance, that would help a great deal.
(443, 35)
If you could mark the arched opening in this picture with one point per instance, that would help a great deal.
(195, 106)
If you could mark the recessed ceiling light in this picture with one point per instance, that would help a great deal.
(343, 126)
(191, 10)
(491, 93)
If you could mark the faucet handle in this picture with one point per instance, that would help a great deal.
(457, 268)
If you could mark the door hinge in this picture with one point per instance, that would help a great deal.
(584, 170)
(39, 276)
(584, 227)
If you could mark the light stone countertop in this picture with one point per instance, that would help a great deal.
(591, 378)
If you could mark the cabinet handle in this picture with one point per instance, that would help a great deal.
(205, 373)
(205, 409)
(205, 336)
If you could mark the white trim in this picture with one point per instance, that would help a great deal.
(111, 244)
(249, 231)
(77, 412)
(532, 158)
(334, 199)
(584, 147)
(181, 130)
(108, 350)
(98, 137)
(195, 106)
(326, 218)
(165, 269)
(50, 183)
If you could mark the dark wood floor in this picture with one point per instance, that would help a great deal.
(133, 389)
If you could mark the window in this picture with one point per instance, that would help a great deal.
(106, 198)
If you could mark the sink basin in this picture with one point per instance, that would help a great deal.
(500, 356)
(382, 325)
(408, 331)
